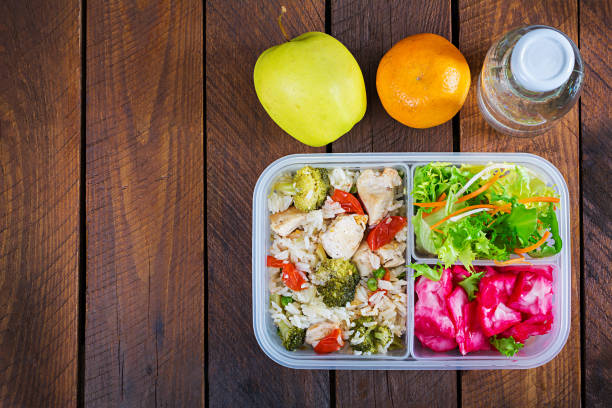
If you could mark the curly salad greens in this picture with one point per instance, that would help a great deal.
(496, 211)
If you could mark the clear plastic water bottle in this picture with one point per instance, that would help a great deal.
(530, 78)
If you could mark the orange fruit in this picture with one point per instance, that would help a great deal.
(423, 80)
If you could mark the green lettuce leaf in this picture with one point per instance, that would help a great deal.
(521, 183)
(433, 179)
(518, 226)
(430, 273)
(470, 284)
(549, 222)
(425, 237)
(507, 346)
(467, 240)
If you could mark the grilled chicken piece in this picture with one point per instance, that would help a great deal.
(366, 260)
(284, 223)
(318, 331)
(392, 254)
(344, 235)
(376, 192)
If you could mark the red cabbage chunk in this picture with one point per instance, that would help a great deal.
(494, 315)
(532, 294)
(437, 343)
(469, 335)
(532, 326)
(432, 323)
(509, 302)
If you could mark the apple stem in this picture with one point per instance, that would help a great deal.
(280, 23)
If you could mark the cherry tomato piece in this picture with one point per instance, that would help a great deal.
(385, 231)
(273, 262)
(293, 278)
(375, 292)
(330, 343)
(348, 202)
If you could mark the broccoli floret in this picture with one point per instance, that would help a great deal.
(311, 186)
(374, 336)
(339, 279)
(284, 185)
(382, 335)
(396, 344)
(292, 337)
(275, 298)
(367, 345)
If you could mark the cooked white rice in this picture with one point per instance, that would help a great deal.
(343, 179)
(278, 202)
(387, 308)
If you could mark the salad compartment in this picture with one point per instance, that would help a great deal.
(537, 350)
(542, 173)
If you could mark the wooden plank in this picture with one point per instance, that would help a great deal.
(144, 341)
(558, 382)
(596, 111)
(368, 30)
(241, 140)
(40, 139)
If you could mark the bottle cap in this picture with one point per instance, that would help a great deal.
(542, 60)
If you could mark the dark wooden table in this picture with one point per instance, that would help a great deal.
(117, 288)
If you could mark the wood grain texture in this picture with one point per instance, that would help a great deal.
(595, 34)
(40, 139)
(144, 341)
(369, 29)
(241, 140)
(558, 382)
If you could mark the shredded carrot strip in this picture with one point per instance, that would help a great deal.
(434, 204)
(437, 230)
(466, 197)
(539, 200)
(442, 197)
(469, 207)
(481, 190)
(503, 208)
(534, 246)
(512, 261)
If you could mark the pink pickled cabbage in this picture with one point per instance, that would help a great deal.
(469, 335)
(511, 301)
(431, 318)
(532, 294)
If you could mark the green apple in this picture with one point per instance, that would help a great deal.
(312, 87)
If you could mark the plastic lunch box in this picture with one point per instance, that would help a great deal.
(538, 349)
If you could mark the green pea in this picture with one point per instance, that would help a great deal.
(372, 284)
(379, 273)
(285, 300)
